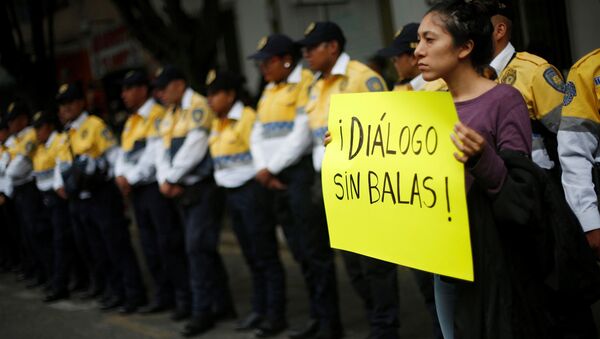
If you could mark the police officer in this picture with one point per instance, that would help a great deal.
(401, 51)
(185, 173)
(281, 145)
(323, 48)
(10, 238)
(36, 231)
(86, 174)
(49, 142)
(246, 202)
(540, 83)
(579, 159)
(160, 229)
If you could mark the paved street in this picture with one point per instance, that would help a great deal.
(23, 315)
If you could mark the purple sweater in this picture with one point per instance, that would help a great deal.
(500, 115)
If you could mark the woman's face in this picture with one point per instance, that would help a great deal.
(274, 70)
(436, 54)
(221, 101)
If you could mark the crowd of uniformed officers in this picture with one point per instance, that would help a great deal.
(184, 159)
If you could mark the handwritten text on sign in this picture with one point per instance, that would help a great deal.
(391, 185)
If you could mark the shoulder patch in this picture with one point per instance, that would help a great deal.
(157, 123)
(84, 133)
(374, 84)
(554, 80)
(198, 115)
(509, 77)
(570, 93)
(597, 81)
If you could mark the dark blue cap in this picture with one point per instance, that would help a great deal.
(42, 118)
(223, 81)
(15, 109)
(405, 41)
(274, 45)
(167, 74)
(318, 32)
(504, 8)
(135, 78)
(69, 92)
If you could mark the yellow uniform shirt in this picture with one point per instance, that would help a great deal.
(347, 76)
(184, 132)
(281, 135)
(578, 139)
(20, 170)
(44, 160)
(141, 144)
(230, 146)
(139, 128)
(542, 88)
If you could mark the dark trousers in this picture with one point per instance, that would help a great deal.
(425, 282)
(308, 239)
(256, 235)
(161, 236)
(107, 233)
(36, 231)
(10, 239)
(200, 206)
(63, 241)
(84, 235)
(376, 282)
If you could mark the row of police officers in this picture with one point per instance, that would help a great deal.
(185, 159)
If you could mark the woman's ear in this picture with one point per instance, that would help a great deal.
(466, 49)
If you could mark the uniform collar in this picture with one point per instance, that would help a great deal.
(417, 83)
(186, 100)
(235, 113)
(340, 67)
(51, 138)
(75, 124)
(23, 132)
(144, 111)
(503, 58)
(294, 77)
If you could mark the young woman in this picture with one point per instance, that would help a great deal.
(235, 171)
(456, 46)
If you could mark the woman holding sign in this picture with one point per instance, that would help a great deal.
(504, 301)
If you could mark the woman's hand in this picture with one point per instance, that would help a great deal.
(467, 141)
(327, 139)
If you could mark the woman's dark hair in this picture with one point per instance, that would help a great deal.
(469, 20)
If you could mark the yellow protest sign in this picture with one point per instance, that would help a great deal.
(392, 187)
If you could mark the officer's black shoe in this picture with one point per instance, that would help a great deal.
(132, 306)
(180, 314)
(270, 328)
(249, 322)
(198, 325)
(111, 304)
(34, 284)
(329, 333)
(91, 294)
(78, 287)
(307, 331)
(225, 314)
(155, 308)
(56, 296)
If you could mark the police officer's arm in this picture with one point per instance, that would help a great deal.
(146, 166)
(299, 139)
(577, 146)
(547, 90)
(256, 140)
(120, 164)
(19, 167)
(194, 147)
